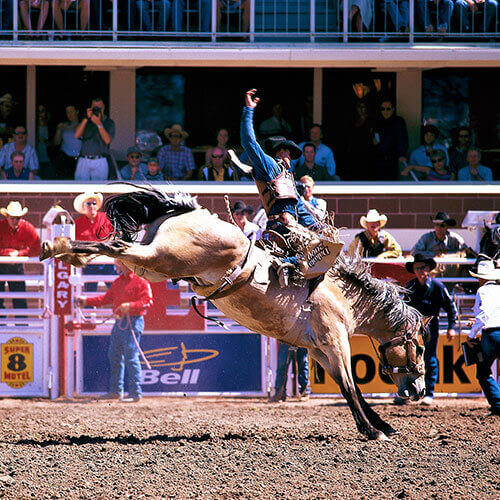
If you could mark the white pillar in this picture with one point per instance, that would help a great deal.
(409, 102)
(318, 95)
(122, 109)
(31, 104)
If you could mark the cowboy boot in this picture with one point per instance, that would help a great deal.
(285, 271)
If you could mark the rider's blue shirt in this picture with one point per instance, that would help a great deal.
(266, 169)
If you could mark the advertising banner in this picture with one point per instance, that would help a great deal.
(62, 288)
(454, 376)
(183, 363)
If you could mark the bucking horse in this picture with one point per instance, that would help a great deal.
(185, 241)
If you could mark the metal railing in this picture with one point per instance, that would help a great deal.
(261, 21)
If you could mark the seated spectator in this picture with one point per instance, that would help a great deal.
(315, 206)
(18, 238)
(222, 140)
(360, 144)
(470, 10)
(63, 5)
(18, 172)
(462, 141)
(19, 145)
(399, 13)
(132, 171)
(373, 241)
(324, 155)
(438, 171)
(43, 134)
(217, 169)
(474, 170)
(176, 160)
(234, 7)
(441, 241)
(70, 146)
(164, 8)
(434, 15)
(360, 14)
(490, 241)
(7, 117)
(390, 139)
(26, 7)
(275, 125)
(241, 212)
(153, 172)
(307, 165)
(422, 155)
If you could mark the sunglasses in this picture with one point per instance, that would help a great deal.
(20, 133)
(420, 268)
(90, 203)
(218, 156)
(437, 160)
(441, 225)
(386, 109)
(134, 157)
(464, 136)
(175, 136)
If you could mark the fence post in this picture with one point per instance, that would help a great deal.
(412, 20)
(345, 20)
(252, 21)
(115, 20)
(313, 19)
(214, 20)
(15, 20)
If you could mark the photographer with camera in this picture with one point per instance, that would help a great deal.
(96, 131)
(487, 324)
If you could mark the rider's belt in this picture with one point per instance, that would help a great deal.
(281, 187)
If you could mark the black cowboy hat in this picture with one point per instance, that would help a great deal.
(418, 257)
(276, 142)
(443, 218)
(240, 206)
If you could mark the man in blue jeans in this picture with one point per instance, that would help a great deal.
(487, 313)
(130, 296)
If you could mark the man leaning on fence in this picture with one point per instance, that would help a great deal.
(18, 238)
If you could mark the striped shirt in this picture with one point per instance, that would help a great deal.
(175, 164)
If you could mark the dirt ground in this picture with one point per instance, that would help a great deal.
(220, 448)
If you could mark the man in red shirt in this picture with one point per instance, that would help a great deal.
(130, 296)
(18, 238)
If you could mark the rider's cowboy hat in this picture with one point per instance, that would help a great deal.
(82, 198)
(176, 129)
(486, 270)
(418, 257)
(444, 218)
(240, 207)
(278, 142)
(14, 209)
(373, 216)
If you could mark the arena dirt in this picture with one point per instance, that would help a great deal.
(199, 448)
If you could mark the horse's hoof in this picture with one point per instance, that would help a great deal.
(382, 437)
(46, 250)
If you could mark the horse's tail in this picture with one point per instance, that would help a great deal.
(129, 211)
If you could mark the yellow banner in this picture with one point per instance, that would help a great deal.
(16, 362)
(454, 376)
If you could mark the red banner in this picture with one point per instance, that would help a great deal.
(62, 288)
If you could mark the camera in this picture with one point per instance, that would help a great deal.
(301, 188)
(96, 110)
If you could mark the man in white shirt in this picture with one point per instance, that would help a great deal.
(487, 313)
(241, 212)
(324, 155)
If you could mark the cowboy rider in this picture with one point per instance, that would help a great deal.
(275, 182)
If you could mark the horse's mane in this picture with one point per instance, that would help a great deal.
(370, 296)
(129, 211)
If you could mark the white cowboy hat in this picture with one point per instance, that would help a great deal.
(82, 198)
(373, 216)
(176, 128)
(14, 209)
(487, 271)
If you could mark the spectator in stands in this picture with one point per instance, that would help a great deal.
(475, 171)
(429, 11)
(19, 145)
(241, 212)
(275, 125)
(153, 172)
(70, 146)
(285, 357)
(429, 296)
(132, 171)
(18, 172)
(438, 171)
(96, 131)
(470, 10)
(462, 141)
(18, 238)
(176, 160)
(306, 116)
(163, 8)
(399, 13)
(422, 155)
(373, 241)
(234, 7)
(361, 14)
(360, 147)
(217, 169)
(26, 7)
(92, 226)
(323, 154)
(390, 139)
(7, 118)
(487, 323)
(43, 135)
(130, 297)
(315, 206)
(441, 241)
(307, 165)
(222, 140)
(58, 6)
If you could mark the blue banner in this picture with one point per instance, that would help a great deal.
(183, 363)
